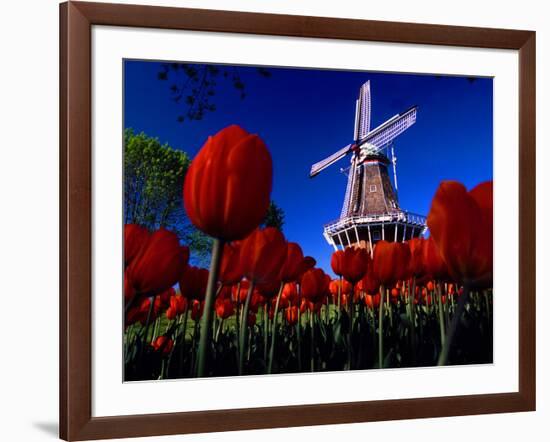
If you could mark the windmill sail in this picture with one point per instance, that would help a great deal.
(362, 113)
(349, 188)
(391, 129)
(323, 164)
(377, 138)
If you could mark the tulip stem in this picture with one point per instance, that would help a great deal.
(182, 339)
(244, 327)
(444, 355)
(237, 316)
(266, 330)
(156, 328)
(359, 357)
(339, 294)
(312, 330)
(412, 295)
(440, 314)
(389, 308)
(144, 340)
(299, 327)
(194, 346)
(446, 306)
(381, 328)
(274, 330)
(218, 331)
(217, 252)
(351, 308)
(148, 320)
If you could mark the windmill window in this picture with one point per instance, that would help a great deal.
(373, 188)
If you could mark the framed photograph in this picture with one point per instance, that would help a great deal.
(274, 220)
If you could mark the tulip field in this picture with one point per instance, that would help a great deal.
(262, 307)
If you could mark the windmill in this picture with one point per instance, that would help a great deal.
(371, 210)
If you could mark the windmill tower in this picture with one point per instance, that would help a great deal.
(371, 210)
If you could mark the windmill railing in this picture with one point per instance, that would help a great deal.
(400, 216)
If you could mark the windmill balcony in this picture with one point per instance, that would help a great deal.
(400, 216)
(369, 229)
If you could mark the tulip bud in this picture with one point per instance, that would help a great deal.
(228, 185)
(461, 225)
(262, 255)
(159, 264)
(163, 344)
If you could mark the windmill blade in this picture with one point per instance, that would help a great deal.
(362, 112)
(323, 164)
(391, 129)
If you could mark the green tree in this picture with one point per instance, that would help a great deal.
(275, 216)
(153, 180)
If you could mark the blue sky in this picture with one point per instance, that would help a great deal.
(304, 115)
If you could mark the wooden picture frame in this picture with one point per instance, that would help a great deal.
(76, 21)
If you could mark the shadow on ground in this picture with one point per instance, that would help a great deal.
(50, 428)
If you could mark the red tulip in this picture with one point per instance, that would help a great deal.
(369, 284)
(290, 293)
(461, 224)
(357, 294)
(135, 237)
(283, 303)
(312, 306)
(391, 262)
(228, 185)
(307, 263)
(269, 289)
(240, 295)
(197, 308)
(337, 262)
(256, 301)
(262, 255)
(224, 292)
(335, 285)
(171, 314)
(139, 312)
(159, 264)
(417, 264)
(178, 305)
(426, 296)
(372, 301)
(314, 285)
(230, 268)
(433, 261)
(166, 295)
(163, 344)
(224, 308)
(193, 283)
(162, 301)
(354, 263)
(291, 269)
(291, 315)
(129, 291)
